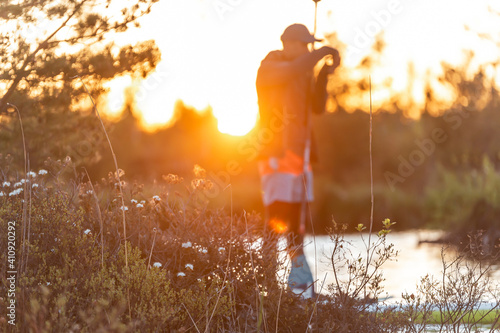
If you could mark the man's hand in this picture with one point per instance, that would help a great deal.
(332, 60)
(336, 58)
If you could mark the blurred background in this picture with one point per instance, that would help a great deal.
(175, 83)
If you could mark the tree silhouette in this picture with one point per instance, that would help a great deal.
(45, 48)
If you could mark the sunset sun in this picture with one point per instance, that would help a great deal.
(211, 52)
(250, 165)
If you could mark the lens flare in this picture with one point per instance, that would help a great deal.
(279, 226)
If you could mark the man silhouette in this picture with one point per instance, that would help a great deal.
(288, 93)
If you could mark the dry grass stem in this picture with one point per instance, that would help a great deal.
(25, 208)
(196, 327)
(155, 231)
(316, 303)
(118, 173)
(368, 258)
(228, 262)
(99, 216)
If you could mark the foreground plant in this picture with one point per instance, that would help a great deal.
(353, 299)
(464, 299)
(190, 268)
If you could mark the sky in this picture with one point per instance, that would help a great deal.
(211, 49)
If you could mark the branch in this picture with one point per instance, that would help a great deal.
(110, 28)
(28, 60)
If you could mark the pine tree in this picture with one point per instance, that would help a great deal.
(47, 49)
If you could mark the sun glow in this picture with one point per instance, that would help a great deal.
(278, 226)
(211, 51)
(116, 96)
(209, 59)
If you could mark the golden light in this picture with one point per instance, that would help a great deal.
(210, 57)
(211, 51)
(236, 124)
(278, 225)
(155, 103)
(115, 98)
(236, 113)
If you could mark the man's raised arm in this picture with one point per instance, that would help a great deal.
(274, 71)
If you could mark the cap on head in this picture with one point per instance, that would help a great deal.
(298, 32)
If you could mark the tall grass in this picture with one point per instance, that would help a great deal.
(118, 174)
(86, 274)
(204, 259)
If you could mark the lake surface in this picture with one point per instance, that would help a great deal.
(413, 262)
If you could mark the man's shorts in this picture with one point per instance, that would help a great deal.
(282, 179)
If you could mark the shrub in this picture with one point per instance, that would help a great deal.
(466, 202)
(187, 266)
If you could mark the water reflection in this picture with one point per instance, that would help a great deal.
(413, 262)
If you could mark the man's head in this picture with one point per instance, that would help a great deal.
(296, 39)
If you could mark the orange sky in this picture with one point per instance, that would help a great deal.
(211, 49)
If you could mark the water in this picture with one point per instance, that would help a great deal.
(413, 262)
